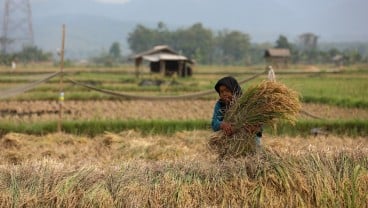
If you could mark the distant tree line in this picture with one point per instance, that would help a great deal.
(112, 58)
(229, 47)
(26, 55)
(319, 56)
(225, 47)
(197, 42)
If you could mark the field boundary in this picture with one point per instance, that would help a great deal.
(146, 97)
(24, 88)
(96, 127)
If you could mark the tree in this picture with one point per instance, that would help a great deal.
(353, 56)
(282, 42)
(234, 46)
(141, 39)
(32, 53)
(115, 51)
(195, 42)
(256, 52)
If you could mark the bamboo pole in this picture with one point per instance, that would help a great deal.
(61, 91)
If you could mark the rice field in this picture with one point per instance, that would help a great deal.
(132, 168)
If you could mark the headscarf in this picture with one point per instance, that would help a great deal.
(231, 83)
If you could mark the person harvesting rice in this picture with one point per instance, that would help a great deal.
(229, 90)
(240, 116)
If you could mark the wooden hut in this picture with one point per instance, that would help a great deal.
(339, 60)
(277, 57)
(162, 59)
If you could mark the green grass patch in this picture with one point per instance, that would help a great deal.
(347, 90)
(96, 127)
(334, 127)
(342, 102)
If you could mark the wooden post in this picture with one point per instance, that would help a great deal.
(162, 67)
(181, 73)
(138, 62)
(61, 91)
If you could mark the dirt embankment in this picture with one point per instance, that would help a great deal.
(139, 109)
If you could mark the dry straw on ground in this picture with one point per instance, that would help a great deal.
(264, 104)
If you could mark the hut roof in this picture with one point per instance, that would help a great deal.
(163, 56)
(338, 57)
(277, 52)
(161, 52)
(157, 49)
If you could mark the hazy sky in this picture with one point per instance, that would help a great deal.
(95, 24)
(337, 19)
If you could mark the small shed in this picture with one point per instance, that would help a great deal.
(162, 59)
(277, 57)
(339, 60)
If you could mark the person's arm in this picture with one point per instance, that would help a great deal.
(218, 123)
(217, 117)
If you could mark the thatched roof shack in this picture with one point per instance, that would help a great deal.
(164, 60)
(277, 57)
(339, 60)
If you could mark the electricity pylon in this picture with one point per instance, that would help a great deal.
(17, 26)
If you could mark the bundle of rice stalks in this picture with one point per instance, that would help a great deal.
(264, 104)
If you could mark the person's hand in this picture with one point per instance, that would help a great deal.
(226, 128)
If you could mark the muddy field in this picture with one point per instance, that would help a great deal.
(140, 109)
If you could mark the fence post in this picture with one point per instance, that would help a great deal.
(61, 91)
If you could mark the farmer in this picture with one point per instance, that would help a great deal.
(229, 90)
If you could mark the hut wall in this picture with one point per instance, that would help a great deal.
(277, 62)
(155, 67)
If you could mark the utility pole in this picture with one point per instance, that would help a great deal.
(17, 31)
(61, 95)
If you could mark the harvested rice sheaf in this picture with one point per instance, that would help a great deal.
(260, 105)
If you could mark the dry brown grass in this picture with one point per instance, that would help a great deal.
(103, 149)
(129, 145)
(131, 170)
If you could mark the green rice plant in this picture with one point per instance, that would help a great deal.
(356, 102)
(96, 127)
(353, 128)
(346, 90)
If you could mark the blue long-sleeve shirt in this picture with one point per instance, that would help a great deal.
(218, 117)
